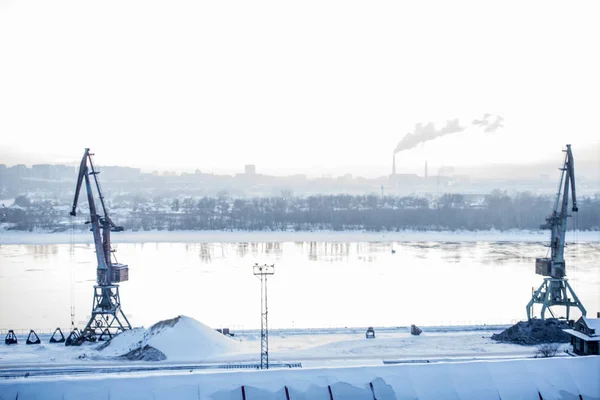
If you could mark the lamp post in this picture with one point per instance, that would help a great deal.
(262, 272)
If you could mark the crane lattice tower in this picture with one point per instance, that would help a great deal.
(107, 318)
(556, 290)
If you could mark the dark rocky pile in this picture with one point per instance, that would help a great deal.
(146, 353)
(535, 331)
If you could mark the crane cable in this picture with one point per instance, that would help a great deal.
(71, 264)
(576, 227)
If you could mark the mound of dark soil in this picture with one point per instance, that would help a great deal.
(535, 331)
(146, 353)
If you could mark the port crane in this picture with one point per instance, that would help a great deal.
(555, 289)
(107, 318)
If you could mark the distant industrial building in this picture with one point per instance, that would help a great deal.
(116, 173)
(250, 169)
(41, 171)
(20, 170)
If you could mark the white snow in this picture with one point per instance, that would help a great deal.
(433, 365)
(124, 342)
(593, 323)
(179, 339)
(21, 237)
(323, 348)
(582, 335)
(553, 378)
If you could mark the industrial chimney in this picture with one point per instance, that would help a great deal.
(394, 165)
(425, 169)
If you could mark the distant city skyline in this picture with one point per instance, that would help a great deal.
(408, 161)
(587, 165)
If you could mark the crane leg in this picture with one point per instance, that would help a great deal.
(537, 297)
(576, 299)
(547, 302)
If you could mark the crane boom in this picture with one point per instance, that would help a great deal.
(557, 221)
(103, 260)
(569, 173)
(83, 172)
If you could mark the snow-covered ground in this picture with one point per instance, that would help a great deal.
(335, 364)
(188, 341)
(554, 378)
(19, 237)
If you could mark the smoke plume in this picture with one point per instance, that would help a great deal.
(424, 133)
(489, 125)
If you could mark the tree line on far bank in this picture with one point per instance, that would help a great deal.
(497, 210)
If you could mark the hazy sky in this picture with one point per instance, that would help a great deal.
(295, 87)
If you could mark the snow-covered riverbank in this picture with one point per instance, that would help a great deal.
(79, 237)
(185, 340)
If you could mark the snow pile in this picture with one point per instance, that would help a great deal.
(123, 342)
(535, 331)
(177, 339)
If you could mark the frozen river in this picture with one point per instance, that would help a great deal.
(316, 284)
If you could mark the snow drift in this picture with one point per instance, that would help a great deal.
(554, 378)
(178, 339)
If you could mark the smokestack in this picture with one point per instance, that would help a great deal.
(394, 165)
(425, 169)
